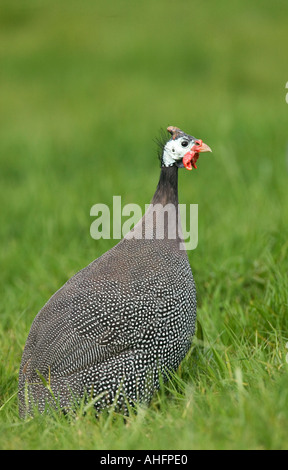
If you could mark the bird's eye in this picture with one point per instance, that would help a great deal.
(184, 143)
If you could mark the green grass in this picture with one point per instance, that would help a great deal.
(84, 88)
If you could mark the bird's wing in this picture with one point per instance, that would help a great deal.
(104, 319)
(105, 309)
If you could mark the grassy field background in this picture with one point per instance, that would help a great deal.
(84, 89)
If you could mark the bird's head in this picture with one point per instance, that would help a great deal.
(181, 149)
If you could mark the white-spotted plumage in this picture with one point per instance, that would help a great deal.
(116, 326)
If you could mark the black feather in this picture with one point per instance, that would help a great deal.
(161, 141)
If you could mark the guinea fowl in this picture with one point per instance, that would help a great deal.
(120, 324)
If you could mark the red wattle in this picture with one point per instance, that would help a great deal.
(190, 158)
(187, 160)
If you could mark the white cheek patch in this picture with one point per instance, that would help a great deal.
(168, 156)
(174, 152)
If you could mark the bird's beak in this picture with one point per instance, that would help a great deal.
(201, 147)
(191, 157)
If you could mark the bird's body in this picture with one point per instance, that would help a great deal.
(120, 323)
